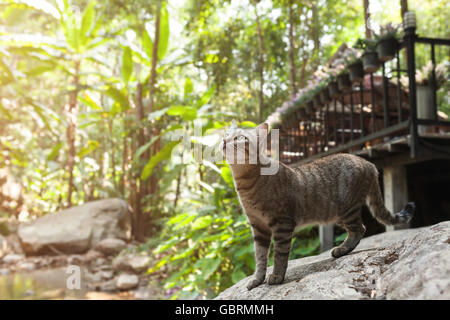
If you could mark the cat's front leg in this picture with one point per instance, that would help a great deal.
(282, 248)
(262, 244)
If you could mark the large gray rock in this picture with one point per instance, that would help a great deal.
(78, 229)
(403, 264)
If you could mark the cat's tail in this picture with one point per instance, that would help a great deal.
(376, 205)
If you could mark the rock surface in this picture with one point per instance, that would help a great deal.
(403, 264)
(111, 246)
(127, 281)
(135, 262)
(78, 229)
(12, 258)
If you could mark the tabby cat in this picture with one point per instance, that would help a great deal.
(331, 190)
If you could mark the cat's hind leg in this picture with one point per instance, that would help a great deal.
(355, 231)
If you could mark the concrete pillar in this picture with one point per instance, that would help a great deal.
(395, 191)
(326, 236)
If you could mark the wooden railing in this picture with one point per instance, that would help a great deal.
(364, 113)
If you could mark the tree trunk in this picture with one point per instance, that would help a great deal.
(177, 192)
(367, 19)
(152, 183)
(302, 81)
(260, 66)
(123, 178)
(71, 131)
(139, 228)
(403, 7)
(113, 154)
(133, 186)
(292, 50)
(154, 60)
(315, 30)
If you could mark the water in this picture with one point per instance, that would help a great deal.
(40, 284)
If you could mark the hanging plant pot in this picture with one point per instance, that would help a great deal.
(333, 89)
(316, 100)
(344, 82)
(310, 106)
(356, 71)
(387, 48)
(370, 61)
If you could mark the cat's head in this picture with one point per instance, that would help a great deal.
(244, 146)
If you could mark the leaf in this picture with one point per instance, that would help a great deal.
(248, 124)
(147, 44)
(166, 245)
(211, 165)
(163, 33)
(208, 266)
(92, 145)
(227, 176)
(143, 148)
(68, 22)
(87, 23)
(55, 151)
(41, 5)
(156, 115)
(202, 222)
(39, 70)
(87, 100)
(178, 218)
(187, 113)
(206, 186)
(127, 64)
(163, 154)
(188, 87)
(206, 96)
(119, 97)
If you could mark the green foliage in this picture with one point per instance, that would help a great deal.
(163, 154)
(208, 245)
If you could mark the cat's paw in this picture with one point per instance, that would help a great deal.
(275, 279)
(253, 283)
(339, 252)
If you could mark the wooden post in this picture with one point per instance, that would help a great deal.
(326, 236)
(395, 191)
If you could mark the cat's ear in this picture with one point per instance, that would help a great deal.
(233, 124)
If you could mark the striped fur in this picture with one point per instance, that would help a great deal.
(329, 190)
